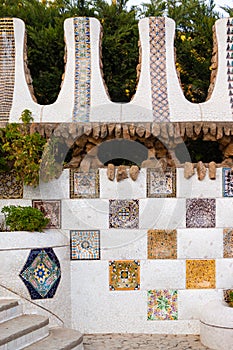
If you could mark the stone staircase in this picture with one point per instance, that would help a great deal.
(31, 332)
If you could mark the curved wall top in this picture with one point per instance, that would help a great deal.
(83, 97)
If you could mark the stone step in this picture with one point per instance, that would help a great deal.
(9, 308)
(59, 339)
(22, 331)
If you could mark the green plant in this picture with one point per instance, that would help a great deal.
(230, 299)
(19, 218)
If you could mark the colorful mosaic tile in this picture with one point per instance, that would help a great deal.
(82, 89)
(200, 274)
(162, 244)
(85, 245)
(227, 177)
(7, 67)
(158, 72)
(229, 57)
(124, 275)
(124, 213)
(162, 305)
(200, 212)
(161, 183)
(41, 274)
(51, 210)
(84, 184)
(228, 243)
(10, 187)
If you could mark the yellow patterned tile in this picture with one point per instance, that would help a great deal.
(124, 275)
(162, 244)
(200, 274)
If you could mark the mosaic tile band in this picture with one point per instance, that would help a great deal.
(229, 57)
(82, 81)
(158, 72)
(7, 67)
(41, 273)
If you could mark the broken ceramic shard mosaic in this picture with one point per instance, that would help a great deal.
(161, 183)
(84, 184)
(85, 245)
(162, 244)
(124, 275)
(200, 212)
(227, 175)
(200, 274)
(41, 274)
(162, 305)
(124, 213)
(51, 210)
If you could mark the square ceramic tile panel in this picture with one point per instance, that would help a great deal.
(227, 181)
(162, 244)
(10, 188)
(124, 275)
(200, 212)
(84, 184)
(85, 245)
(124, 213)
(200, 274)
(41, 273)
(161, 183)
(162, 305)
(228, 243)
(51, 210)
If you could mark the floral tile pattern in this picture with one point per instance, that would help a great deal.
(162, 305)
(51, 210)
(10, 188)
(7, 67)
(200, 212)
(124, 275)
(41, 273)
(84, 184)
(200, 274)
(82, 89)
(227, 175)
(228, 243)
(85, 245)
(162, 244)
(161, 183)
(158, 72)
(124, 213)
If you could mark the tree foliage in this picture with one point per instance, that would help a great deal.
(44, 22)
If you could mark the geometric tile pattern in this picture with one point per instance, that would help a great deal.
(162, 305)
(161, 183)
(84, 184)
(229, 56)
(162, 244)
(158, 72)
(51, 210)
(10, 187)
(124, 275)
(82, 81)
(7, 67)
(85, 245)
(227, 177)
(124, 213)
(228, 243)
(41, 273)
(200, 274)
(200, 212)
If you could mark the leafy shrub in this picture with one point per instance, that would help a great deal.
(19, 218)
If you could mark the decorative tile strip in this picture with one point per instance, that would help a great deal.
(158, 72)
(229, 49)
(124, 213)
(227, 177)
(84, 184)
(161, 183)
(7, 67)
(162, 305)
(124, 275)
(85, 245)
(41, 273)
(82, 81)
